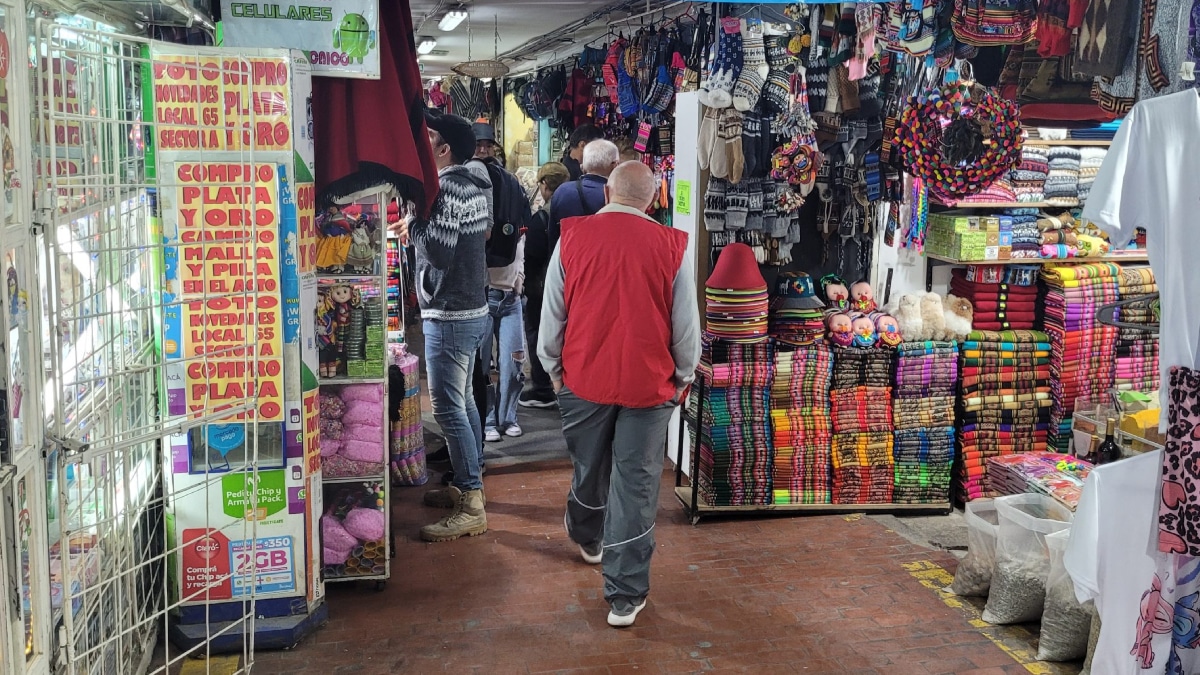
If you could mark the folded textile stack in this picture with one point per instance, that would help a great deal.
(862, 468)
(923, 459)
(998, 306)
(1049, 473)
(1104, 132)
(1029, 178)
(1026, 237)
(1001, 190)
(1058, 236)
(736, 297)
(1006, 399)
(797, 314)
(1137, 350)
(861, 408)
(732, 400)
(800, 425)
(1090, 160)
(1082, 349)
(923, 417)
(407, 451)
(1062, 183)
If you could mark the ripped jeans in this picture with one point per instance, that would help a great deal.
(508, 334)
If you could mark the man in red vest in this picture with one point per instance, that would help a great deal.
(620, 339)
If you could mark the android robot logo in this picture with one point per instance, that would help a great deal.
(354, 37)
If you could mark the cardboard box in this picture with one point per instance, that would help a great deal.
(993, 237)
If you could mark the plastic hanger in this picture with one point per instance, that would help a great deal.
(1106, 314)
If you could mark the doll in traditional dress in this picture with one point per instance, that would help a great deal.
(837, 295)
(841, 331)
(333, 317)
(888, 329)
(864, 331)
(361, 256)
(862, 297)
(334, 245)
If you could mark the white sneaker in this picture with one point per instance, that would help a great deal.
(491, 436)
(624, 613)
(514, 431)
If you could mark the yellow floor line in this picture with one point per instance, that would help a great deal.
(213, 665)
(936, 579)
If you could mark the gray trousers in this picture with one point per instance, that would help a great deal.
(618, 456)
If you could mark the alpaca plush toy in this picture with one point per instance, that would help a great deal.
(933, 317)
(958, 314)
(908, 313)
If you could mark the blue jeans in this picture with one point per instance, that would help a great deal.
(508, 333)
(451, 348)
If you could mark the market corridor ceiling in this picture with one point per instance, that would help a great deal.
(519, 22)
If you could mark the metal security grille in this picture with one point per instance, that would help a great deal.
(109, 425)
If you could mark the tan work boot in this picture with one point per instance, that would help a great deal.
(467, 519)
(445, 498)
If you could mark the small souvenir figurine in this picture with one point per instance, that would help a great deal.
(837, 295)
(862, 298)
(333, 318)
(334, 244)
(888, 329)
(863, 329)
(841, 330)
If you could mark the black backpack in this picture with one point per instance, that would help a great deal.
(510, 215)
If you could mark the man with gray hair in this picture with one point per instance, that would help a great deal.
(584, 197)
(621, 343)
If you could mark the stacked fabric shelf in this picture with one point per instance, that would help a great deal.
(1004, 298)
(923, 417)
(1082, 348)
(800, 424)
(1005, 401)
(1137, 350)
(732, 402)
(861, 408)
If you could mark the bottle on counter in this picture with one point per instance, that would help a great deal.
(1109, 451)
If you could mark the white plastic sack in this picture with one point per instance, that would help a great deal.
(1018, 591)
(1065, 622)
(974, 575)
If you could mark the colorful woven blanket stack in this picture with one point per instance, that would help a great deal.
(732, 399)
(800, 424)
(1137, 350)
(1029, 178)
(998, 306)
(861, 409)
(923, 418)
(1082, 348)
(1005, 397)
(1062, 183)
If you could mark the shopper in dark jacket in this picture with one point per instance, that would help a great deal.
(537, 259)
(584, 197)
(573, 155)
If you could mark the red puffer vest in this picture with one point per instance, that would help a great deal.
(619, 273)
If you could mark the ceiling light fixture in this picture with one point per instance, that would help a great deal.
(451, 20)
(426, 45)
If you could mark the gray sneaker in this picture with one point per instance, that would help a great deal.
(624, 612)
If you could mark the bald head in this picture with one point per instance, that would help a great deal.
(631, 184)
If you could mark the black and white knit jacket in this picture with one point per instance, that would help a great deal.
(451, 270)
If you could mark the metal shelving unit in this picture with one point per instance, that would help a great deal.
(369, 560)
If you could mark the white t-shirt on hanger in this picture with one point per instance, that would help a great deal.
(1108, 560)
(1151, 179)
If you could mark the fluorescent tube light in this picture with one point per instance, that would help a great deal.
(451, 20)
(426, 45)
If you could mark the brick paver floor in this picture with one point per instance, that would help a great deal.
(805, 595)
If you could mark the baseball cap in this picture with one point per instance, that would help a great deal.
(455, 130)
(484, 132)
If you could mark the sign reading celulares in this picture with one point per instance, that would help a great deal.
(341, 37)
